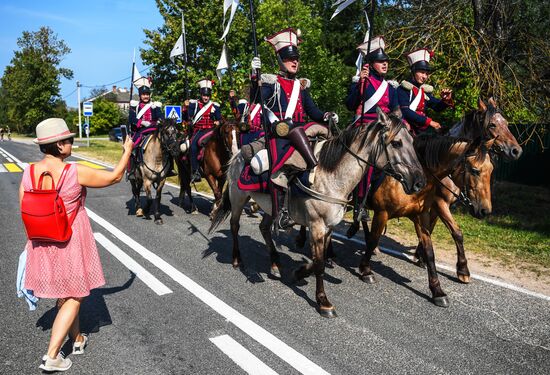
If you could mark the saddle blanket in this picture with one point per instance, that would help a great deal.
(249, 181)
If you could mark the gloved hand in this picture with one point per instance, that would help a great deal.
(331, 115)
(256, 63)
(145, 123)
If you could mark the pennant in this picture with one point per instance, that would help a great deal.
(359, 64)
(178, 49)
(341, 6)
(137, 76)
(234, 6)
(223, 63)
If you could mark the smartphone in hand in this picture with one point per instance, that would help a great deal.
(124, 132)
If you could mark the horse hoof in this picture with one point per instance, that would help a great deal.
(465, 279)
(328, 312)
(369, 279)
(195, 211)
(139, 212)
(441, 301)
(275, 273)
(329, 263)
(159, 222)
(236, 264)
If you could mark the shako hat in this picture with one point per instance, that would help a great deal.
(376, 52)
(144, 85)
(285, 43)
(52, 130)
(205, 86)
(420, 59)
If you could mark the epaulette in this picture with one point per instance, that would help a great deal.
(156, 104)
(134, 103)
(305, 83)
(216, 104)
(269, 78)
(393, 83)
(243, 101)
(192, 101)
(355, 79)
(407, 85)
(427, 88)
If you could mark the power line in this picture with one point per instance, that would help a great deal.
(112, 83)
(69, 94)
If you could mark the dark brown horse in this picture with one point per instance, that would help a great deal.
(151, 172)
(217, 153)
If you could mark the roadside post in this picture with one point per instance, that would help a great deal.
(88, 109)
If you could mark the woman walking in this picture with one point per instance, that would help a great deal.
(66, 271)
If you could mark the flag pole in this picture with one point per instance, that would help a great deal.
(371, 29)
(131, 91)
(187, 94)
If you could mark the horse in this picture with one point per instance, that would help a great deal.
(385, 144)
(217, 152)
(184, 176)
(481, 125)
(151, 172)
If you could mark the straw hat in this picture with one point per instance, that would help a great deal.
(52, 130)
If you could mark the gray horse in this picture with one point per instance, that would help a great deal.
(385, 144)
(151, 172)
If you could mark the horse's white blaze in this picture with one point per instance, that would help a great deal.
(234, 146)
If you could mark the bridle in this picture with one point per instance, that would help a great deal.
(167, 148)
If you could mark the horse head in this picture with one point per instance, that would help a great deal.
(398, 158)
(495, 126)
(228, 132)
(474, 176)
(170, 136)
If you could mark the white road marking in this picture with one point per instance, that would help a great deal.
(486, 279)
(241, 356)
(10, 159)
(2, 169)
(21, 164)
(151, 281)
(278, 347)
(396, 253)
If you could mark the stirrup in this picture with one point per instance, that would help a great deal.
(196, 177)
(283, 221)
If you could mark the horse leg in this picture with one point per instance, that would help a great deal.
(439, 297)
(265, 229)
(300, 239)
(366, 233)
(319, 239)
(447, 218)
(379, 221)
(158, 196)
(136, 190)
(418, 254)
(329, 255)
(149, 201)
(217, 194)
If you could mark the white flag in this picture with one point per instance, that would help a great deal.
(341, 6)
(178, 49)
(137, 76)
(223, 63)
(234, 6)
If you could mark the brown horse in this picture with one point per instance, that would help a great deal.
(217, 153)
(151, 172)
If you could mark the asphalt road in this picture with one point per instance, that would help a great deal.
(189, 312)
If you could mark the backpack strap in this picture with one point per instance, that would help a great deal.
(62, 178)
(32, 177)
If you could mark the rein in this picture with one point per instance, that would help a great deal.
(165, 162)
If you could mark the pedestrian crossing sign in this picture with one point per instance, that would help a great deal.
(173, 112)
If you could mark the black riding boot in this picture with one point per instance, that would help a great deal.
(300, 141)
(280, 214)
(171, 172)
(131, 171)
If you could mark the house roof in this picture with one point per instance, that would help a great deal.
(117, 95)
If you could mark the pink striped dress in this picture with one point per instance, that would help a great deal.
(65, 270)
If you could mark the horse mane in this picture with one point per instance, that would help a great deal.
(433, 149)
(334, 149)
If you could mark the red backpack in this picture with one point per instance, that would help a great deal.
(44, 213)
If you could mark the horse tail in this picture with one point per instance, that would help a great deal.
(222, 211)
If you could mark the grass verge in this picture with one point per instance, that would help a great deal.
(518, 229)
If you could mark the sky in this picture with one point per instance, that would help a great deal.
(102, 35)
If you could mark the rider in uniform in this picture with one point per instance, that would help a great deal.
(202, 116)
(369, 89)
(288, 99)
(249, 116)
(143, 118)
(415, 95)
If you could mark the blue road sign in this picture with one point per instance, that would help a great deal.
(173, 111)
(86, 128)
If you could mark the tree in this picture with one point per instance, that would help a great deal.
(31, 81)
(106, 116)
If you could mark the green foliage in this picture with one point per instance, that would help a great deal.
(31, 82)
(106, 116)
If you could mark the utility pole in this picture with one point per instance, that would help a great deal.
(78, 99)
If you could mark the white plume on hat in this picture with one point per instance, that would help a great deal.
(52, 130)
(376, 43)
(284, 38)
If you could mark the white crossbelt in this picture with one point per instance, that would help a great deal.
(416, 101)
(373, 100)
(255, 111)
(205, 108)
(293, 100)
(143, 110)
